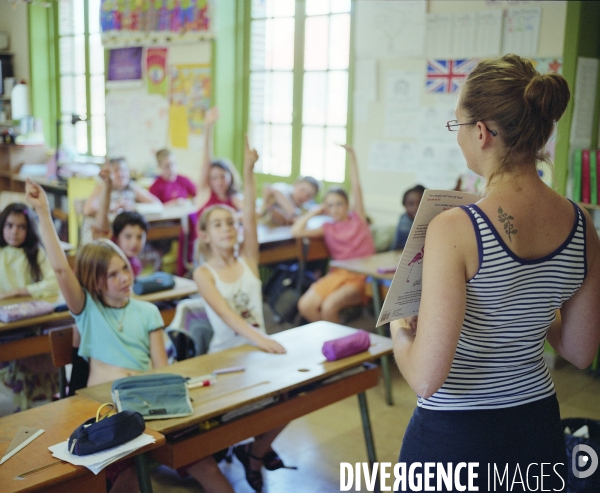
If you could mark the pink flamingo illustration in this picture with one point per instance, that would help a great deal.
(417, 259)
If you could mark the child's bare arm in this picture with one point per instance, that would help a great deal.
(90, 208)
(144, 196)
(208, 290)
(299, 228)
(69, 285)
(357, 197)
(250, 247)
(101, 228)
(157, 349)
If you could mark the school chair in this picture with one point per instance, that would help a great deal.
(190, 331)
(61, 346)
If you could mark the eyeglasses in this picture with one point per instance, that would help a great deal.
(453, 125)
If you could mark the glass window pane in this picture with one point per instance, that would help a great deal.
(257, 96)
(339, 41)
(314, 99)
(316, 43)
(340, 6)
(337, 98)
(67, 94)
(335, 156)
(96, 55)
(317, 7)
(81, 137)
(79, 54)
(258, 45)
(313, 152)
(67, 55)
(282, 8)
(66, 22)
(280, 153)
(97, 94)
(281, 43)
(94, 15)
(282, 97)
(67, 133)
(256, 137)
(98, 135)
(80, 96)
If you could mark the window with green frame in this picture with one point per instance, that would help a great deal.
(81, 77)
(299, 61)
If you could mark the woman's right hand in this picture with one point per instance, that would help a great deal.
(270, 345)
(36, 196)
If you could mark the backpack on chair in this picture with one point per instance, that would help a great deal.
(283, 290)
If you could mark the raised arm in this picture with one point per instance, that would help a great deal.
(210, 118)
(356, 189)
(144, 196)
(101, 228)
(299, 228)
(208, 290)
(69, 285)
(250, 246)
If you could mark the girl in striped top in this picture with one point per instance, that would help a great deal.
(494, 275)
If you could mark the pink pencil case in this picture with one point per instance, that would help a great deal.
(346, 346)
(25, 309)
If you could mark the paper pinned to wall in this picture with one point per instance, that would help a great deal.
(585, 102)
(402, 95)
(522, 30)
(388, 29)
(488, 33)
(179, 129)
(383, 155)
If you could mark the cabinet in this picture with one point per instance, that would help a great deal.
(12, 157)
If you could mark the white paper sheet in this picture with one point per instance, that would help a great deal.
(522, 30)
(404, 296)
(402, 96)
(585, 101)
(98, 461)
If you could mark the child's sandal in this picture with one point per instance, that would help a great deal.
(272, 461)
(254, 478)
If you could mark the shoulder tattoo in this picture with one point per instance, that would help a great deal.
(509, 226)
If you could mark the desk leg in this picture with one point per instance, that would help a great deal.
(385, 362)
(143, 472)
(366, 421)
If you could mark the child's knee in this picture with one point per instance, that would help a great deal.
(307, 304)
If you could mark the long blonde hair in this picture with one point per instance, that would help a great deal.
(203, 250)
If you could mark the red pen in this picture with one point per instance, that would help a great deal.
(201, 381)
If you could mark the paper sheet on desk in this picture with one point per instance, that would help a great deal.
(404, 296)
(98, 461)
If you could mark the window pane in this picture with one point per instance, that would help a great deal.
(314, 101)
(316, 43)
(79, 52)
(282, 8)
(335, 156)
(281, 97)
(313, 152)
(94, 16)
(81, 137)
(67, 133)
(337, 98)
(96, 55)
(281, 43)
(257, 96)
(80, 96)
(67, 95)
(317, 7)
(97, 94)
(66, 22)
(339, 41)
(280, 153)
(67, 55)
(257, 43)
(259, 9)
(340, 6)
(98, 135)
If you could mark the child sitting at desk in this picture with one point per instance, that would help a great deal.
(218, 184)
(26, 271)
(410, 201)
(283, 203)
(129, 229)
(347, 237)
(169, 187)
(119, 335)
(230, 285)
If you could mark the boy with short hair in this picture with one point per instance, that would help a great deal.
(283, 202)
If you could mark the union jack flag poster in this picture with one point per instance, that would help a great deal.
(444, 76)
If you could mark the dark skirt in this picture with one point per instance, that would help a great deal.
(510, 445)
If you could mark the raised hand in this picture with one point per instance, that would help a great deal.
(36, 196)
(211, 116)
(106, 174)
(348, 147)
(250, 156)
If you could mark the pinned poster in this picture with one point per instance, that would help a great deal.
(178, 126)
(156, 68)
(125, 66)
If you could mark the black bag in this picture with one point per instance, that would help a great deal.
(283, 290)
(158, 281)
(575, 484)
(96, 435)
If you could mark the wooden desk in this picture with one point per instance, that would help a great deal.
(34, 468)
(40, 344)
(278, 245)
(369, 266)
(294, 378)
(170, 222)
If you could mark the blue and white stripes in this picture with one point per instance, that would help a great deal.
(511, 302)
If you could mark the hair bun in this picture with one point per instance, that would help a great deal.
(547, 94)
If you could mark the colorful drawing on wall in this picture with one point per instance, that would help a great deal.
(547, 65)
(156, 70)
(175, 16)
(444, 76)
(191, 88)
(125, 64)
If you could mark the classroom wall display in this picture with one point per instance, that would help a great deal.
(151, 21)
(124, 65)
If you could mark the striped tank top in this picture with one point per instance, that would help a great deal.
(510, 304)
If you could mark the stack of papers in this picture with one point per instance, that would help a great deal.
(98, 461)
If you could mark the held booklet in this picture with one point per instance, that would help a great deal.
(404, 296)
